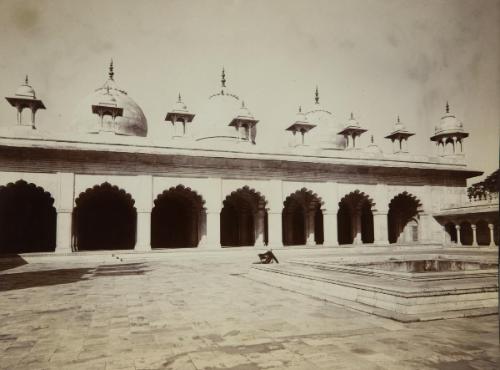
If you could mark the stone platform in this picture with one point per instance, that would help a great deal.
(403, 287)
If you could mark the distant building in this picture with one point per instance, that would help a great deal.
(210, 184)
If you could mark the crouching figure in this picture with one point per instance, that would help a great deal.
(267, 257)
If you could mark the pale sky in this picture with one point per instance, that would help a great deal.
(375, 58)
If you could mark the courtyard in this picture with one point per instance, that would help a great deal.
(200, 310)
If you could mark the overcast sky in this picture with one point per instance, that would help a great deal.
(375, 58)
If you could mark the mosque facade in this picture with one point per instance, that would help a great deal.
(211, 185)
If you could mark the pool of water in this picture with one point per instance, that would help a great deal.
(428, 265)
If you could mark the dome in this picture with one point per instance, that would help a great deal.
(131, 123)
(244, 113)
(449, 122)
(212, 123)
(372, 147)
(179, 106)
(25, 90)
(399, 126)
(324, 134)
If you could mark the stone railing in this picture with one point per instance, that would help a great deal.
(485, 197)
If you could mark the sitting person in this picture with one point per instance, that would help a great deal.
(267, 257)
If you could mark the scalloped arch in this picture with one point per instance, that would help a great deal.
(358, 196)
(105, 186)
(406, 195)
(256, 195)
(183, 191)
(36, 188)
(304, 191)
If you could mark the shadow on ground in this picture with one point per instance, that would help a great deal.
(31, 279)
(11, 261)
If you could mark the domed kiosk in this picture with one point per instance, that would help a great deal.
(110, 109)
(449, 134)
(325, 134)
(225, 119)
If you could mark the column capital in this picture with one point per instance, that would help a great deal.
(491, 226)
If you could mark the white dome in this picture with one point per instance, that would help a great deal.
(213, 120)
(131, 123)
(372, 147)
(26, 91)
(324, 135)
(448, 123)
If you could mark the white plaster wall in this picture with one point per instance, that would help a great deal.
(48, 181)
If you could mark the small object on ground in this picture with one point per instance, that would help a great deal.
(268, 257)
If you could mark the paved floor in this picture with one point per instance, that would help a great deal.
(200, 311)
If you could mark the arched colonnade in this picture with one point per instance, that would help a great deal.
(105, 217)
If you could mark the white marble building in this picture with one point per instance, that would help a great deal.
(211, 185)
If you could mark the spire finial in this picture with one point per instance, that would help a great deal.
(352, 115)
(300, 109)
(179, 99)
(111, 73)
(316, 96)
(223, 80)
(447, 107)
(243, 104)
(398, 120)
(371, 139)
(26, 80)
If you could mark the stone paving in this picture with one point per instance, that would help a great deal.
(201, 311)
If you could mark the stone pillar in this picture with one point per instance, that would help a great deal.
(64, 208)
(259, 227)
(212, 235)
(144, 205)
(143, 239)
(380, 228)
(310, 240)
(63, 232)
(275, 229)
(474, 234)
(459, 242)
(492, 234)
(330, 228)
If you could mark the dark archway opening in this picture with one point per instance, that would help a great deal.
(175, 219)
(367, 223)
(243, 219)
(293, 221)
(482, 233)
(402, 219)
(318, 225)
(302, 219)
(355, 219)
(344, 225)
(105, 219)
(451, 231)
(27, 219)
(466, 233)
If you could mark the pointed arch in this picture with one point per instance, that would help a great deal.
(243, 218)
(176, 218)
(355, 218)
(27, 219)
(403, 218)
(104, 218)
(302, 218)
